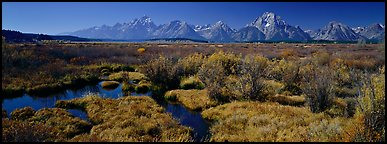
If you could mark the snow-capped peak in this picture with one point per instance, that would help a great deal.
(382, 26)
(146, 19)
(219, 23)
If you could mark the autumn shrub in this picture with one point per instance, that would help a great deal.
(318, 87)
(372, 106)
(251, 83)
(344, 78)
(214, 72)
(321, 58)
(287, 72)
(287, 54)
(190, 65)
(141, 50)
(162, 72)
(272, 87)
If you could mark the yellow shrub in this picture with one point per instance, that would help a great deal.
(141, 50)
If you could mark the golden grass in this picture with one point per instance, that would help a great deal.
(272, 122)
(192, 99)
(110, 84)
(62, 120)
(130, 119)
(192, 82)
(272, 87)
(47, 124)
(22, 114)
(143, 86)
(134, 76)
(288, 100)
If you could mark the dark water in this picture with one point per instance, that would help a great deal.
(178, 111)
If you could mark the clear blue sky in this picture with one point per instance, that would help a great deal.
(58, 17)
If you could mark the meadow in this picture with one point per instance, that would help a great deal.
(248, 91)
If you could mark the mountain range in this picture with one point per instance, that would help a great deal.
(267, 27)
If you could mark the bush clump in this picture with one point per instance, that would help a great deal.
(162, 72)
(318, 87)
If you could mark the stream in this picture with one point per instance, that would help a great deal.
(186, 117)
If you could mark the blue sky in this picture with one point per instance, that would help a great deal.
(58, 17)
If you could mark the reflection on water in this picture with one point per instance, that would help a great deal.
(189, 118)
(79, 113)
(48, 101)
(186, 117)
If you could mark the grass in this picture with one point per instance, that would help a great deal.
(192, 99)
(47, 124)
(127, 76)
(54, 67)
(143, 87)
(23, 113)
(110, 84)
(272, 122)
(63, 121)
(192, 82)
(129, 119)
(288, 100)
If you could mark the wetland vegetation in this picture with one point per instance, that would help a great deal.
(237, 92)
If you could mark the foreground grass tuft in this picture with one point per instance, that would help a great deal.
(272, 122)
(192, 99)
(129, 119)
(110, 84)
